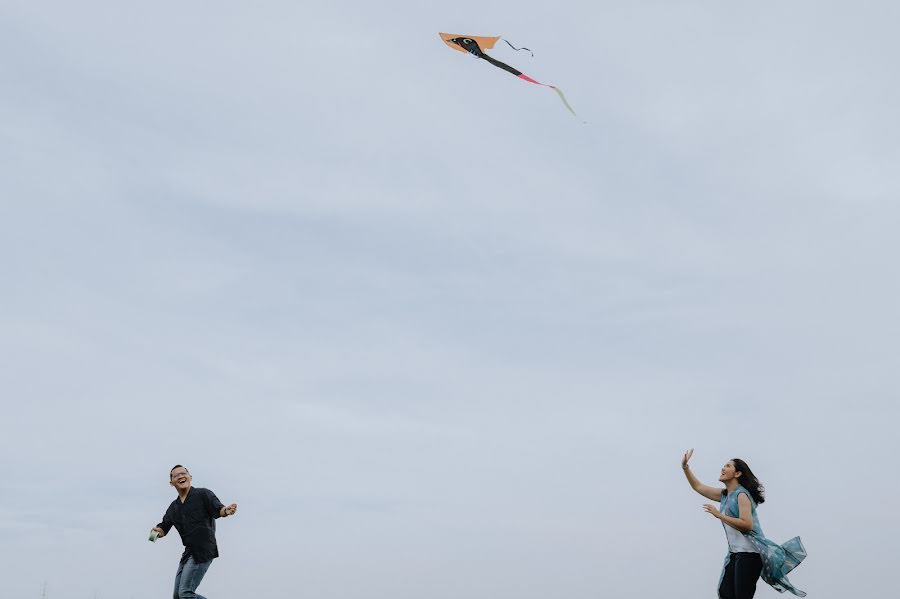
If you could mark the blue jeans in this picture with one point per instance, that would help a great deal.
(188, 578)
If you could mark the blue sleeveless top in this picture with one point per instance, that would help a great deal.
(778, 560)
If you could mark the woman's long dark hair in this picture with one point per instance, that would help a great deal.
(749, 481)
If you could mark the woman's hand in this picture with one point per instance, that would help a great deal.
(686, 459)
(712, 511)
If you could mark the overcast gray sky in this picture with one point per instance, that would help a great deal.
(434, 335)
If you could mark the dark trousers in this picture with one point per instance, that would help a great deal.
(740, 576)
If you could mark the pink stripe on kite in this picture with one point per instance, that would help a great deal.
(553, 87)
(527, 78)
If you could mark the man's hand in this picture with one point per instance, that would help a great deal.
(159, 532)
(229, 510)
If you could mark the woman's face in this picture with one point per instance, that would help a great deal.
(728, 472)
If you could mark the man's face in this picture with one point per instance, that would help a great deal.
(180, 479)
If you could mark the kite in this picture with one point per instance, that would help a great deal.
(476, 46)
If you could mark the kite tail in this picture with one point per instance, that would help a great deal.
(563, 98)
(517, 49)
(554, 88)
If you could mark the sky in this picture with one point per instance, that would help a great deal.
(434, 335)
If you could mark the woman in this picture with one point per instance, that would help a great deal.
(750, 554)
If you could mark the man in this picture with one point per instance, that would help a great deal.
(193, 514)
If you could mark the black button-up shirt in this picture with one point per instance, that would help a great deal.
(195, 521)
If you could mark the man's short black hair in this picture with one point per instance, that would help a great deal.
(177, 466)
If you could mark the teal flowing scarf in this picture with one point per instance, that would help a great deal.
(778, 560)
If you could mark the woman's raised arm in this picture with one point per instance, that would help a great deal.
(705, 490)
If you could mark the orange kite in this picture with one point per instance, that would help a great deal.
(476, 46)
